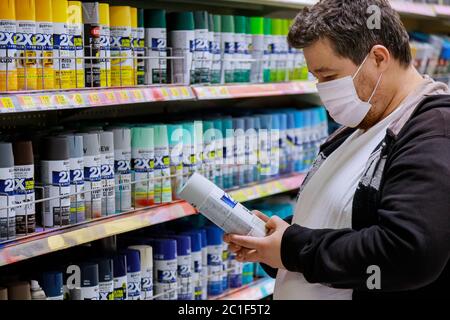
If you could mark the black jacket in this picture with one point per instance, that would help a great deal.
(400, 220)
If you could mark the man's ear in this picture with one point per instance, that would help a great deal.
(382, 57)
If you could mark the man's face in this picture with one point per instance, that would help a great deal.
(326, 65)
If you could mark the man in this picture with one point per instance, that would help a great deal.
(373, 215)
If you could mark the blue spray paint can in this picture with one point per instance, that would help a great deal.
(165, 268)
(299, 141)
(215, 262)
(196, 259)
(133, 274)
(89, 281)
(52, 284)
(290, 141)
(184, 274)
(204, 273)
(120, 276)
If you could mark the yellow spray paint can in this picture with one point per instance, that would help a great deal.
(134, 42)
(61, 45)
(45, 77)
(121, 54)
(8, 71)
(105, 34)
(26, 44)
(75, 26)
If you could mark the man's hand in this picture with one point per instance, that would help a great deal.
(266, 250)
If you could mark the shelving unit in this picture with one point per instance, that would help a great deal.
(257, 290)
(57, 239)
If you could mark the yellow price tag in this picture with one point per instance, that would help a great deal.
(138, 95)
(78, 99)
(224, 91)
(27, 101)
(174, 92)
(7, 103)
(110, 96)
(213, 91)
(124, 96)
(45, 101)
(164, 93)
(61, 100)
(185, 92)
(94, 98)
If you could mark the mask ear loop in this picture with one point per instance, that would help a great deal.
(360, 66)
(376, 87)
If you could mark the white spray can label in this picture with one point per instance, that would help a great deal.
(163, 188)
(166, 279)
(44, 46)
(56, 179)
(197, 271)
(147, 284)
(216, 58)
(77, 208)
(64, 57)
(108, 183)
(143, 174)
(204, 274)
(24, 196)
(106, 290)
(202, 56)
(134, 285)
(123, 179)
(182, 43)
(93, 184)
(184, 279)
(227, 44)
(156, 43)
(215, 265)
(7, 216)
(90, 293)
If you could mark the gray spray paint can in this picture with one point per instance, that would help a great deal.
(56, 180)
(7, 215)
(76, 166)
(24, 187)
(92, 175)
(107, 172)
(122, 168)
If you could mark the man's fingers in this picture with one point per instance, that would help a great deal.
(234, 247)
(245, 241)
(261, 215)
(248, 256)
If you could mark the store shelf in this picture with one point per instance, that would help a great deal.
(254, 90)
(85, 98)
(57, 239)
(256, 290)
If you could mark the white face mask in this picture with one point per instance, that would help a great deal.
(342, 101)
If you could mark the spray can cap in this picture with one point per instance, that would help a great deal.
(27, 10)
(299, 119)
(188, 133)
(239, 24)
(290, 120)
(74, 13)
(140, 18)
(7, 10)
(23, 153)
(145, 254)
(227, 23)
(133, 260)
(183, 244)
(323, 114)
(89, 274)
(55, 148)
(257, 123)
(196, 240)
(257, 25)
(91, 144)
(210, 22)
(106, 142)
(277, 27)
(275, 121)
(161, 137)
(217, 23)
(155, 18)
(266, 121)
(103, 14)
(204, 238)
(91, 12)
(105, 269)
(283, 121)
(200, 20)
(164, 249)
(122, 138)
(267, 26)
(175, 134)
(227, 126)
(120, 16)
(52, 283)
(44, 10)
(249, 123)
(142, 137)
(181, 20)
(214, 235)
(119, 265)
(133, 13)
(75, 145)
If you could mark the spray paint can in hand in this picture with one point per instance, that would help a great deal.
(76, 167)
(45, 77)
(7, 215)
(26, 44)
(52, 284)
(143, 163)
(156, 45)
(8, 69)
(105, 279)
(92, 175)
(92, 43)
(163, 188)
(146, 258)
(24, 187)
(133, 274)
(120, 276)
(165, 268)
(122, 168)
(89, 281)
